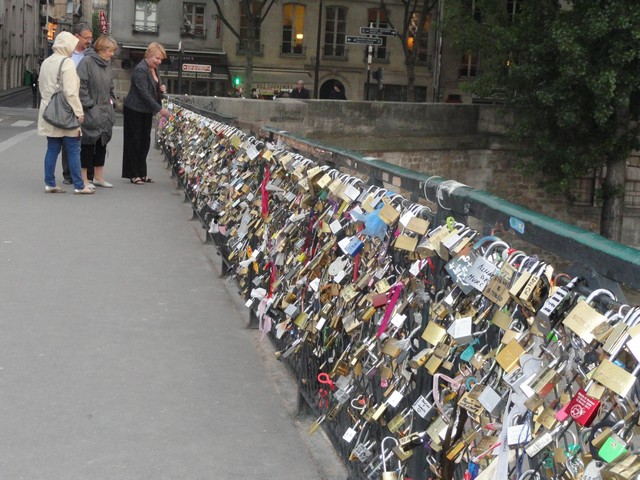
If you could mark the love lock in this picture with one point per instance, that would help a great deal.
(616, 444)
(386, 475)
(592, 470)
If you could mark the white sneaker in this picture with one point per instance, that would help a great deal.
(84, 191)
(48, 189)
(103, 184)
(90, 185)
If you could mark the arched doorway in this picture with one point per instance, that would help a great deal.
(327, 87)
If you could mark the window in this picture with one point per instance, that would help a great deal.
(514, 7)
(423, 47)
(377, 18)
(193, 22)
(469, 65)
(335, 28)
(475, 11)
(244, 28)
(293, 28)
(146, 18)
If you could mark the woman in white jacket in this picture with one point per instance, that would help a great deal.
(63, 47)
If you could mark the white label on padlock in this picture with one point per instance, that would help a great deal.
(290, 196)
(344, 243)
(357, 210)
(634, 347)
(252, 152)
(525, 386)
(405, 218)
(592, 470)
(321, 323)
(249, 303)
(422, 406)
(349, 435)
(343, 382)
(538, 444)
(314, 284)
(518, 434)
(338, 278)
(335, 226)
(341, 396)
(480, 273)
(351, 192)
(416, 267)
(461, 330)
(398, 319)
(394, 399)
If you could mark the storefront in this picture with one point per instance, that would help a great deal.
(192, 73)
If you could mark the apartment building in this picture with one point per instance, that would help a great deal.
(20, 33)
(295, 41)
(309, 41)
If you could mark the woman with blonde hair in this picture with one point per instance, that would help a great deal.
(98, 100)
(143, 101)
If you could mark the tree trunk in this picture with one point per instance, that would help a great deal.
(611, 214)
(411, 80)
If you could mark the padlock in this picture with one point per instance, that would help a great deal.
(616, 444)
(387, 475)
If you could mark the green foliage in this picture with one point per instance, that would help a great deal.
(574, 72)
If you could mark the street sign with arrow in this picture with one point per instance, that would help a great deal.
(363, 40)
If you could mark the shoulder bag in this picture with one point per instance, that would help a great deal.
(58, 112)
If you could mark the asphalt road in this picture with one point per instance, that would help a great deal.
(123, 354)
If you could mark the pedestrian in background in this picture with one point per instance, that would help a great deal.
(337, 93)
(299, 91)
(84, 34)
(143, 101)
(98, 100)
(63, 47)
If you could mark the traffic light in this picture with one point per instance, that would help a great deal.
(236, 81)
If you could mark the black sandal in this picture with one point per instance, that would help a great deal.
(147, 180)
(137, 181)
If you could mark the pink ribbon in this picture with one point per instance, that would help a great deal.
(393, 299)
(265, 192)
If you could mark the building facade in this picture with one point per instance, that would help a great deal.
(295, 41)
(20, 34)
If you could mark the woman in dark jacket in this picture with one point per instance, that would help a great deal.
(142, 103)
(98, 100)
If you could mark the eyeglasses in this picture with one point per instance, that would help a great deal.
(87, 38)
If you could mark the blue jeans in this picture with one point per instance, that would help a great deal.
(72, 146)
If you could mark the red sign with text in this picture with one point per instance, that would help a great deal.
(103, 22)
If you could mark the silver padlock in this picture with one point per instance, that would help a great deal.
(592, 470)
(387, 475)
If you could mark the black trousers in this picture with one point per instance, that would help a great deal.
(137, 141)
(92, 155)
(65, 165)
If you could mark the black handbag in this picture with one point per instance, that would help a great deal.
(58, 112)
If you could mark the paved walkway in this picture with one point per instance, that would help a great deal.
(123, 355)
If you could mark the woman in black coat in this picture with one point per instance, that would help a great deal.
(141, 104)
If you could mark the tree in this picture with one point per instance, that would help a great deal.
(254, 13)
(415, 26)
(574, 73)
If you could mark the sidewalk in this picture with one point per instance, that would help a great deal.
(123, 354)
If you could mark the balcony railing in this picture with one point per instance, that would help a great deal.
(146, 29)
(258, 48)
(293, 50)
(193, 32)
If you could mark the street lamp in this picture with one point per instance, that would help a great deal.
(316, 77)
